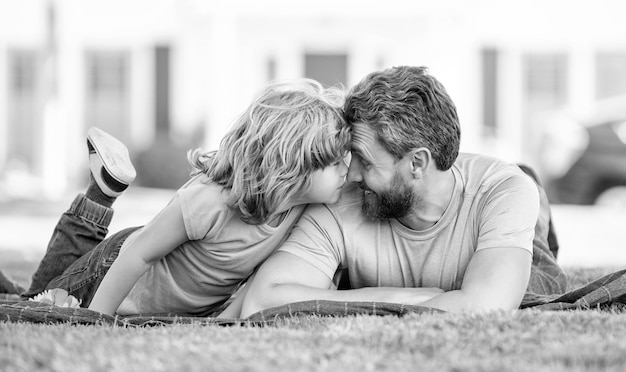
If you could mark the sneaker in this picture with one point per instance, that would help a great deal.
(109, 162)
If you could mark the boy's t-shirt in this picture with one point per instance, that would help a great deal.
(494, 204)
(222, 251)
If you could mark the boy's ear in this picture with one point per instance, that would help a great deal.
(420, 160)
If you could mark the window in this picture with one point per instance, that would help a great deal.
(610, 74)
(545, 80)
(107, 74)
(162, 89)
(24, 107)
(271, 69)
(489, 62)
(107, 92)
(23, 71)
(328, 69)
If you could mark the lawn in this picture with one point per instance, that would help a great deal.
(526, 340)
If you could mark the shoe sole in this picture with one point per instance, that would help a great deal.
(113, 154)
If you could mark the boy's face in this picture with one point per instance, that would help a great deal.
(326, 183)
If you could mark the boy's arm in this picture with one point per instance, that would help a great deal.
(233, 310)
(286, 278)
(155, 240)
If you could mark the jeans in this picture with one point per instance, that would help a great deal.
(78, 255)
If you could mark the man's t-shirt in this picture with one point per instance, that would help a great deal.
(494, 204)
(222, 250)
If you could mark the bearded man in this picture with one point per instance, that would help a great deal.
(418, 223)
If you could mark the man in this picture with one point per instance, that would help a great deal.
(420, 223)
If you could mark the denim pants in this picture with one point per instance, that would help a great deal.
(78, 255)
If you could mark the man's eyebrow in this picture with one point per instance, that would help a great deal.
(355, 148)
(361, 156)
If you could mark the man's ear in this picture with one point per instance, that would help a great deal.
(420, 160)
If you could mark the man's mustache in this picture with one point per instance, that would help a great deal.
(363, 187)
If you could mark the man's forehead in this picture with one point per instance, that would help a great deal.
(365, 144)
(363, 136)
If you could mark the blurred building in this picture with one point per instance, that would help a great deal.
(173, 70)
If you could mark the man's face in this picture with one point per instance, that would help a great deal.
(386, 194)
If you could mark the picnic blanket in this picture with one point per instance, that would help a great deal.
(606, 293)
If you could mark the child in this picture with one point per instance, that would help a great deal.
(286, 150)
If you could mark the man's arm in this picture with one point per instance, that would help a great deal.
(286, 278)
(498, 273)
(495, 279)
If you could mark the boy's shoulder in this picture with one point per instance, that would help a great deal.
(204, 197)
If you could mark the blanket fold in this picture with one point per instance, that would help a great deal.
(39, 312)
(606, 293)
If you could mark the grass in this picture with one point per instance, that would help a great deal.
(518, 341)
(525, 340)
(15, 267)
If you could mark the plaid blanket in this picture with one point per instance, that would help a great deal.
(606, 293)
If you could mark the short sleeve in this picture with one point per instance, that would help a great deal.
(317, 238)
(202, 208)
(509, 214)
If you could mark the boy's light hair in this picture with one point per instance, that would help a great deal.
(290, 130)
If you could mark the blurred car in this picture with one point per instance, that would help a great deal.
(585, 152)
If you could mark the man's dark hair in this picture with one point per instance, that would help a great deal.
(408, 109)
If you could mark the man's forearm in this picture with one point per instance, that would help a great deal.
(281, 294)
(462, 302)
(495, 279)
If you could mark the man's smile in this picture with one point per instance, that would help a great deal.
(366, 190)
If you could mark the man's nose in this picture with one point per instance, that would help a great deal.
(354, 171)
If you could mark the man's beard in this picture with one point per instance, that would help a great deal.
(394, 202)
